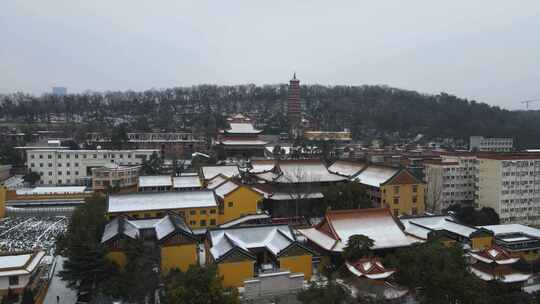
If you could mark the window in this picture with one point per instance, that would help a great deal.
(32, 165)
(68, 173)
(203, 223)
(230, 204)
(76, 164)
(41, 156)
(192, 223)
(396, 189)
(32, 156)
(76, 172)
(212, 222)
(41, 165)
(192, 212)
(414, 211)
(415, 188)
(202, 212)
(60, 165)
(13, 280)
(94, 155)
(148, 215)
(67, 156)
(396, 212)
(49, 156)
(414, 199)
(181, 213)
(396, 200)
(59, 181)
(68, 164)
(59, 156)
(159, 214)
(59, 172)
(135, 216)
(212, 211)
(50, 165)
(50, 173)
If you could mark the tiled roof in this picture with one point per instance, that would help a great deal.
(209, 172)
(142, 201)
(376, 223)
(19, 263)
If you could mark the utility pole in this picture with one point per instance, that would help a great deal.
(527, 102)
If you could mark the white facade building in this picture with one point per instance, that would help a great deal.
(510, 184)
(17, 270)
(74, 167)
(450, 181)
(486, 144)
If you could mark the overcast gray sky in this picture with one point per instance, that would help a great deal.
(483, 50)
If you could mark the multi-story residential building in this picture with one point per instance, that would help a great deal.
(450, 180)
(74, 167)
(115, 176)
(393, 188)
(489, 144)
(510, 184)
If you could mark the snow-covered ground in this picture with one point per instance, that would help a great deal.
(26, 233)
(58, 292)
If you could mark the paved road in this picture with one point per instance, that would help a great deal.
(59, 288)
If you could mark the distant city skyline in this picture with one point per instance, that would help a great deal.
(483, 50)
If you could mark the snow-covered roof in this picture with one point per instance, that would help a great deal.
(242, 128)
(371, 268)
(421, 226)
(211, 171)
(19, 263)
(170, 223)
(52, 190)
(155, 181)
(512, 228)
(378, 224)
(494, 254)
(142, 201)
(504, 274)
(295, 171)
(243, 142)
(130, 227)
(346, 168)
(260, 166)
(226, 188)
(243, 219)
(283, 196)
(216, 181)
(186, 182)
(275, 238)
(119, 226)
(375, 175)
(305, 171)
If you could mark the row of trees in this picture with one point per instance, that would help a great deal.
(89, 271)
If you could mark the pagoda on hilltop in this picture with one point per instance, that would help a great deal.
(294, 108)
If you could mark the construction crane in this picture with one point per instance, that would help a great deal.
(527, 102)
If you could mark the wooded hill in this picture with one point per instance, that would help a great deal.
(368, 111)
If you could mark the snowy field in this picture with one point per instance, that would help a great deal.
(26, 233)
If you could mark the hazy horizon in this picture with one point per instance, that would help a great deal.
(484, 50)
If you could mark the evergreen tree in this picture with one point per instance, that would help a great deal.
(358, 246)
(328, 292)
(197, 285)
(86, 266)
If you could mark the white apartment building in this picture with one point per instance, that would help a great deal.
(74, 167)
(486, 144)
(450, 181)
(510, 184)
